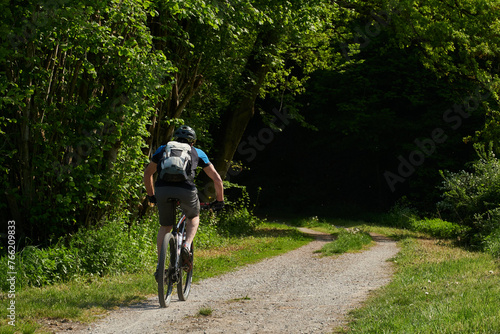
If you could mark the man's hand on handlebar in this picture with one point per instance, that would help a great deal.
(217, 205)
(152, 199)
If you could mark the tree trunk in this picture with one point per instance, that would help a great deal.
(233, 129)
(241, 110)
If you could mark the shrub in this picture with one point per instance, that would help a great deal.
(207, 235)
(402, 214)
(472, 198)
(492, 243)
(437, 228)
(115, 247)
(37, 267)
(237, 222)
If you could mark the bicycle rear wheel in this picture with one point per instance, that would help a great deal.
(165, 268)
(185, 279)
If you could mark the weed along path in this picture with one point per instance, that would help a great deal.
(297, 292)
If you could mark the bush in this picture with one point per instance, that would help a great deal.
(402, 214)
(207, 235)
(472, 198)
(437, 228)
(41, 267)
(237, 222)
(492, 243)
(114, 248)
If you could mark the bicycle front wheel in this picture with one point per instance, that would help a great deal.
(165, 269)
(185, 279)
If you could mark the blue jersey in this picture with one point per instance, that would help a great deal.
(198, 158)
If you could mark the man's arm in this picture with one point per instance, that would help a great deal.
(219, 187)
(148, 178)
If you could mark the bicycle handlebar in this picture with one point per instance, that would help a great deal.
(216, 206)
(204, 206)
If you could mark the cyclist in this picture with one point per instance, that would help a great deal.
(185, 191)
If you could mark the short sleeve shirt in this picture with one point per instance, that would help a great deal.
(198, 158)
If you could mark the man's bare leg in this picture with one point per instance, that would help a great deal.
(162, 231)
(191, 229)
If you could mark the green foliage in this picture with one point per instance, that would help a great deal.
(237, 218)
(39, 267)
(207, 235)
(237, 222)
(472, 198)
(114, 248)
(438, 228)
(456, 40)
(402, 214)
(492, 242)
(81, 82)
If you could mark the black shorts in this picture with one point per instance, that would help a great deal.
(189, 203)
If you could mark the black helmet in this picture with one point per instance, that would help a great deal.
(185, 132)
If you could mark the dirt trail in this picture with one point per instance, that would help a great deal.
(297, 292)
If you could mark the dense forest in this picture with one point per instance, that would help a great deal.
(315, 106)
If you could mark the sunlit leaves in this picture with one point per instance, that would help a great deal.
(82, 81)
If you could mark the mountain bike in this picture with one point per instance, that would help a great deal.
(171, 271)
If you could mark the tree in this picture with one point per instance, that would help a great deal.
(85, 81)
(378, 104)
(289, 42)
(237, 51)
(79, 83)
(459, 41)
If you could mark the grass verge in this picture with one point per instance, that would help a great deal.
(437, 288)
(347, 240)
(86, 299)
(349, 236)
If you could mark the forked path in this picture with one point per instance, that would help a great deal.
(297, 292)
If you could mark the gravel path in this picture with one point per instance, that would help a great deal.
(298, 292)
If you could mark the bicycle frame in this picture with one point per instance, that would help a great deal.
(179, 233)
(170, 267)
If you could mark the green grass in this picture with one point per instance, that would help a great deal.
(349, 235)
(347, 240)
(437, 288)
(80, 300)
(437, 228)
(205, 311)
(86, 299)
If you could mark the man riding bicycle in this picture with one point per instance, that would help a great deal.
(185, 191)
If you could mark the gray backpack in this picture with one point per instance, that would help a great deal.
(175, 164)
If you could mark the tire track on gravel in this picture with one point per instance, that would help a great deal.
(297, 292)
